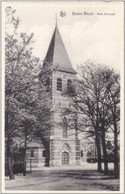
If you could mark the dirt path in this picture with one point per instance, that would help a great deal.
(62, 180)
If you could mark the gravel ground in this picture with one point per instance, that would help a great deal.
(64, 179)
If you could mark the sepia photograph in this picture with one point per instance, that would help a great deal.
(62, 97)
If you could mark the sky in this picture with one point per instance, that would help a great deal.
(97, 36)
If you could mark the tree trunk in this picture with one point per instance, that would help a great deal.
(116, 160)
(104, 152)
(99, 168)
(25, 146)
(24, 163)
(9, 161)
(47, 152)
(9, 167)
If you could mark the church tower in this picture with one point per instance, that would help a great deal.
(64, 147)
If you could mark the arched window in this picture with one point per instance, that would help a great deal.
(69, 84)
(48, 84)
(81, 153)
(59, 84)
(32, 153)
(65, 125)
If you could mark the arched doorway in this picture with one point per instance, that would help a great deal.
(65, 158)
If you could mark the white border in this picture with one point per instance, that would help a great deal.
(122, 103)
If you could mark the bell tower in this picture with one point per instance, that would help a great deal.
(64, 147)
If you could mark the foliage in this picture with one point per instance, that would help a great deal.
(26, 102)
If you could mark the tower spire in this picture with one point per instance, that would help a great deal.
(57, 54)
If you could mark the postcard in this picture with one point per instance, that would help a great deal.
(62, 97)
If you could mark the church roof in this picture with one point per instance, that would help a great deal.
(57, 54)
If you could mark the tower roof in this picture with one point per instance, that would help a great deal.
(57, 54)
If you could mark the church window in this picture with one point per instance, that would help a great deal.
(32, 153)
(70, 88)
(69, 83)
(48, 84)
(81, 153)
(65, 125)
(59, 84)
(43, 153)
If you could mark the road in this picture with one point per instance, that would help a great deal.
(64, 179)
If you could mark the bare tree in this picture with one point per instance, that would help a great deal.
(112, 83)
(94, 105)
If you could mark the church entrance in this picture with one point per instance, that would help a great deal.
(65, 158)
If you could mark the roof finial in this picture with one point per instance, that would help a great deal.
(56, 19)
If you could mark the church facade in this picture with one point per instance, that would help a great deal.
(63, 142)
(64, 146)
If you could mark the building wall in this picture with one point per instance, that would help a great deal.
(58, 144)
(37, 159)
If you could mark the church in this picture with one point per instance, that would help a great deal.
(63, 144)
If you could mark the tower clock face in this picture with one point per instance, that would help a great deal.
(64, 76)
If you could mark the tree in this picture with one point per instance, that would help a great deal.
(27, 98)
(112, 83)
(93, 105)
(20, 80)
